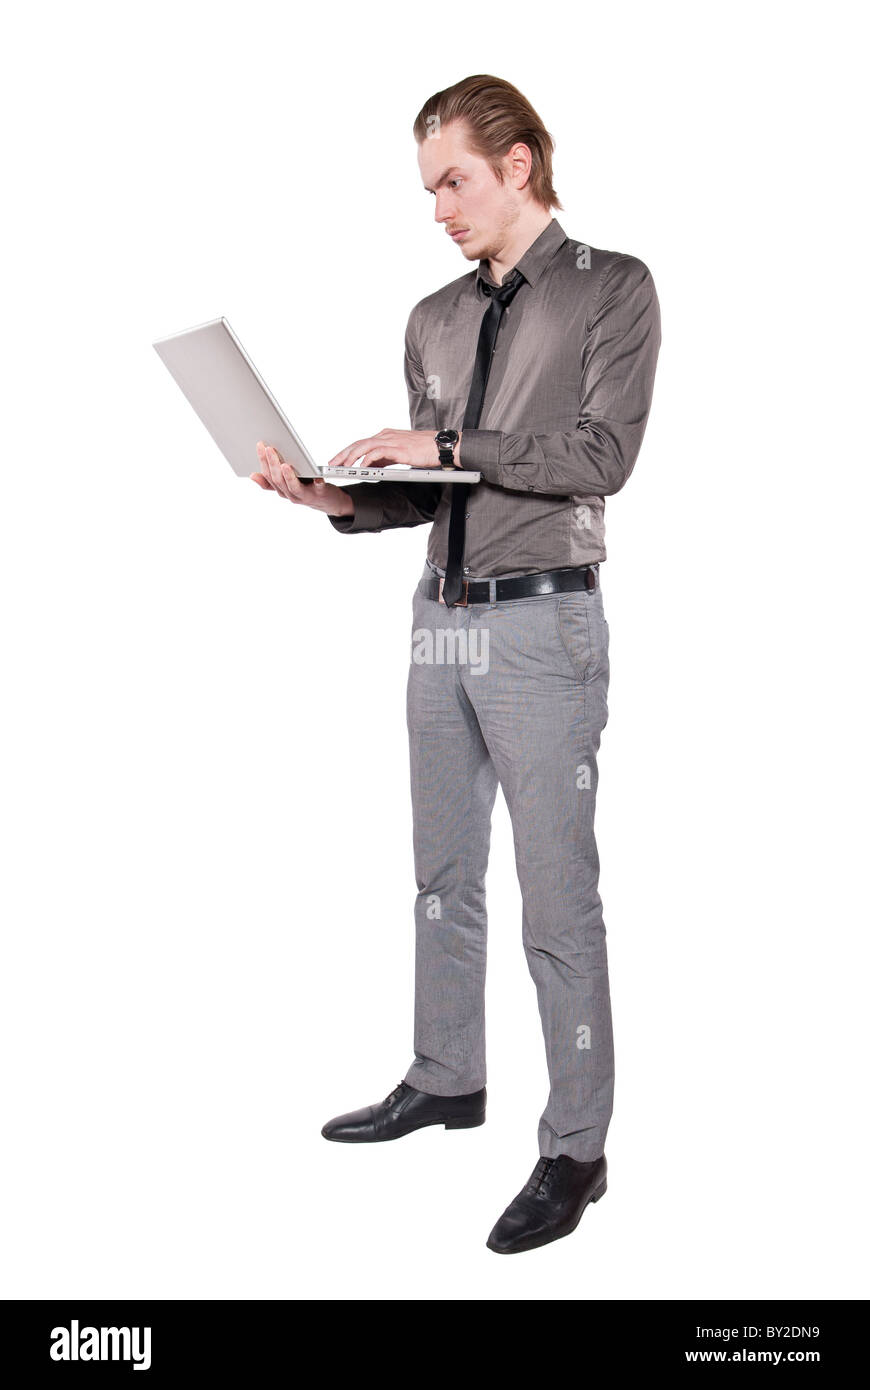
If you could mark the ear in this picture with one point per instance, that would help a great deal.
(519, 165)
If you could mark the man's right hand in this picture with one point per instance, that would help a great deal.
(278, 476)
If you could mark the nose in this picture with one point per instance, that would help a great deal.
(444, 209)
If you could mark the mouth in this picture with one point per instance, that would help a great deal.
(458, 234)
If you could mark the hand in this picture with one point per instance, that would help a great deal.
(281, 477)
(414, 447)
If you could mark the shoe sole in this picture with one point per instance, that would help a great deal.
(550, 1240)
(458, 1123)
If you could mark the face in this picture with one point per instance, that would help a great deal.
(469, 200)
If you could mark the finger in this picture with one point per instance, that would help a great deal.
(279, 483)
(295, 489)
(267, 466)
(392, 453)
(340, 459)
(263, 482)
(348, 456)
(268, 450)
(275, 476)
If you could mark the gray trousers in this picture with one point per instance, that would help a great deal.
(513, 693)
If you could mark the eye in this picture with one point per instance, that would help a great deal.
(452, 183)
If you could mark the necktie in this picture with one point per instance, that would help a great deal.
(500, 298)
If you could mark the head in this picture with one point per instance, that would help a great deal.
(487, 158)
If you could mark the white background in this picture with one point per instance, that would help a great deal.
(208, 883)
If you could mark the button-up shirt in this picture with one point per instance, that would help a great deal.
(566, 406)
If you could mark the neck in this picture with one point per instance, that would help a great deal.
(522, 235)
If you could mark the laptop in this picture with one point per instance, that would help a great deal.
(237, 408)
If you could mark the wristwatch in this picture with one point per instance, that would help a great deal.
(447, 441)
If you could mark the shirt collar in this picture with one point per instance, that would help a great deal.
(533, 262)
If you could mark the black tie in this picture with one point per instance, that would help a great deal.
(500, 297)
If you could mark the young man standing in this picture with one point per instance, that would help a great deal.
(536, 369)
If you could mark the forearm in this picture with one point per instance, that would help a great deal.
(385, 506)
(591, 461)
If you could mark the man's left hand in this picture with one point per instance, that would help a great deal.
(414, 447)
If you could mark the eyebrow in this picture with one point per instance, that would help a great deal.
(445, 175)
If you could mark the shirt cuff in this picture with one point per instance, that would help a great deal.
(480, 451)
(368, 513)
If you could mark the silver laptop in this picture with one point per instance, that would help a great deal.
(237, 408)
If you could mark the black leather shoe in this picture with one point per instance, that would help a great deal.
(550, 1205)
(403, 1111)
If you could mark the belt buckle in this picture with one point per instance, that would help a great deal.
(460, 602)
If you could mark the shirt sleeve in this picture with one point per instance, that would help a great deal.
(617, 371)
(383, 506)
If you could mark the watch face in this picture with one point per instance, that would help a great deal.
(446, 437)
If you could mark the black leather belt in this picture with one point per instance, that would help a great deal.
(522, 586)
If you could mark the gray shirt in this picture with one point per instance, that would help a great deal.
(566, 406)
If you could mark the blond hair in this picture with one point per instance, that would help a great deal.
(497, 116)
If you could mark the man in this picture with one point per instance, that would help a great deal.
(553, 344)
